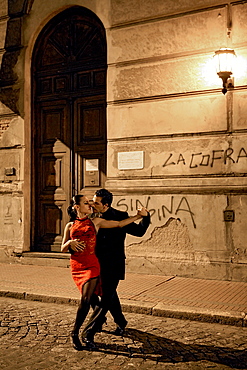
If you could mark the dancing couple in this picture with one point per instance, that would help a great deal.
(97, 260)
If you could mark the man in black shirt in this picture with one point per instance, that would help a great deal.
(111, 256)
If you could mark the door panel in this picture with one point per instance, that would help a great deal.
(90, 123)
(90, 143)
(89, 81)
(53, 176)
(53, 122)
(54, 173)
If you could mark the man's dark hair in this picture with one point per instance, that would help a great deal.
(105, 195)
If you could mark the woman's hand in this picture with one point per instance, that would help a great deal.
(77, 245)
(141, 211)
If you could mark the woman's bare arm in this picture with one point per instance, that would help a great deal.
(107, 224)
(76, 245)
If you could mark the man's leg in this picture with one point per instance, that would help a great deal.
(116, 312)
(97, 318)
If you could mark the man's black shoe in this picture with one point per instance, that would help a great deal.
(88, 339)
(119, 331)
(90, 345)
(100, 328)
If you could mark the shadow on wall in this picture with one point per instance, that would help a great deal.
(9, 91)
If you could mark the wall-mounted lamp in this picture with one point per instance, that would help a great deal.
(224, 60)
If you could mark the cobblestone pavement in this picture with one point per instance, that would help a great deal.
(35, 335)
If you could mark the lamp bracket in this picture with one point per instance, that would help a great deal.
(227, 82)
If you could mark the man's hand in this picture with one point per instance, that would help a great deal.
(141, 211)
(77, 245)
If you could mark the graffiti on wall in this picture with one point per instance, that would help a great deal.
(210, 159)
(175, 206)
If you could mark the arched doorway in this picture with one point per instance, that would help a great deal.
(68, 119)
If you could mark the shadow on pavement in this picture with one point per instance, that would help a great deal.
(159, 349)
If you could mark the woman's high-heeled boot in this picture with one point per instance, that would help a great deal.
(76, 341)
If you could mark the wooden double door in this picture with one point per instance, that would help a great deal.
(69, 119)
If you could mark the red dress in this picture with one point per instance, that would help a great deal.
(85, 264)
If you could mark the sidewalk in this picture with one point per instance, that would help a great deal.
(224, 302)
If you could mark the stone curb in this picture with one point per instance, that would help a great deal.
(19, 294)
(159, 309)
(211, 316)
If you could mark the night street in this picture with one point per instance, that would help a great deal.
(35, 335)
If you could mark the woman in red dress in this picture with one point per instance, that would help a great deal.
(80, 240)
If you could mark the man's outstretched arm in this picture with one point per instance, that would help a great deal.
(140, 228)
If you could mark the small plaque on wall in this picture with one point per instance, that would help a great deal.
(91, 172)
(130, 160)
(92, 164)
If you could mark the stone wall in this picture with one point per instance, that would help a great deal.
(11, 129)
(188, 236)
(165, 105)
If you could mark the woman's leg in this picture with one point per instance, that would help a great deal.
(87, 292)
(82, 311)
(94, 301)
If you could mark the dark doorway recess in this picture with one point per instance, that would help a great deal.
(68, 119)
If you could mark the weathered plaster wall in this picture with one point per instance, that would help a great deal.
(11, 184)
(188, 236)
(11, 132)
(127, 11)
(159, 117)
(164, 101)
(189, 156)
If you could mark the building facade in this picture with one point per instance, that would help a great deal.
(123, 95)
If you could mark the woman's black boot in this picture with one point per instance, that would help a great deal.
(76, 342)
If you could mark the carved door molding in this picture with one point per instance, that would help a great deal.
(68, 119)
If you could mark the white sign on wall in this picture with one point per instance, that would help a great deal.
(92, 164)
(130, 160)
